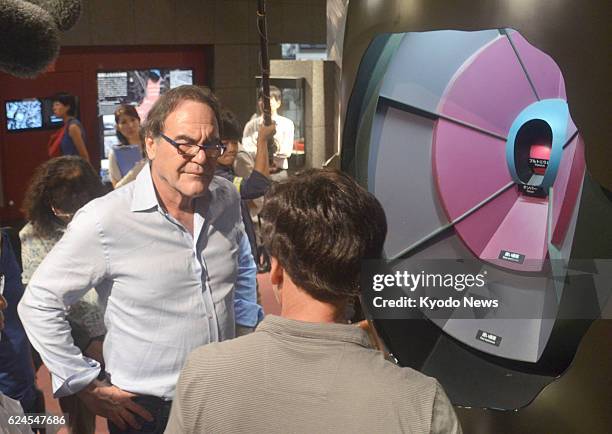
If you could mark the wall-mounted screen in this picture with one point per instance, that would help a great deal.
(140, 88)
(32, 114)
(49, 119)
(25, 114)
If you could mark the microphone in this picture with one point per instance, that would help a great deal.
(65, 12)
(30, 38)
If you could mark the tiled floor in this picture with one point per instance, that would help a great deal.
(44, 382)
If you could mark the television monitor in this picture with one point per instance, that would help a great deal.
(24, 114)
(49, 119)
(139, 88)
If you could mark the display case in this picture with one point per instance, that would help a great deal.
(292, 107)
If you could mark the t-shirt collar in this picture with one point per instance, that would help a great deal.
(328, 331)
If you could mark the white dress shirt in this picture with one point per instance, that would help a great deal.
(283, 138)
(166, 292)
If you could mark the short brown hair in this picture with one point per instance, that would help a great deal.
(275, 93)
(320, 225)
(166, 104)
(67, 100)
(230, 127)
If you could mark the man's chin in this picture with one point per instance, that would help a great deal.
(194, 185)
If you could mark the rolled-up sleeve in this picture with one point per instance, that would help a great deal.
(254, 186)
(77, 263)
(248, 312)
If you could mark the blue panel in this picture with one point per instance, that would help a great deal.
(556, 114)
(404, 179)
(425, 63)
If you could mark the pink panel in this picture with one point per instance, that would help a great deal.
(561, 90)
(522, 231)
(569, 182)
(468, 166)
(489, 90)
(541, 68)
(571, 127)
(477, 229)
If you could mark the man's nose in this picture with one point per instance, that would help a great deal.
(200, 157)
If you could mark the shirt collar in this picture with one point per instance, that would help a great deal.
(144, 196)
(329, 331)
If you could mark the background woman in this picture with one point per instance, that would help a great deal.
(73, 139)
(57, 190)
(128, 154)
(17, 378)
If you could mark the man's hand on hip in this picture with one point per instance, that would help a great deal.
(114, 404)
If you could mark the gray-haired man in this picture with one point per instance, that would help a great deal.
(168, 256)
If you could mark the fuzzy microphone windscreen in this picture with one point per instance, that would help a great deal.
(65, 12)
(30, 38)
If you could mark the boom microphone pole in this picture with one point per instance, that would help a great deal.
(264, 61)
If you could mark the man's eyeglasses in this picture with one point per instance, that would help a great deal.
(212, 148)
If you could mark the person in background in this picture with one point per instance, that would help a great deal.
(128, 155)
(8, 406)
(257, 182)
(283, 138)
(73, 138)
(17, 377)
(307, 365)
(57, 190)
(168, 255)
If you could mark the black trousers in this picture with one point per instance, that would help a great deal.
(159, 409)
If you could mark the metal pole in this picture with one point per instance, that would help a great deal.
(265, 73)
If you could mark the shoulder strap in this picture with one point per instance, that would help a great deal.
(237, 182)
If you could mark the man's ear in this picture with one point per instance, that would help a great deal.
(150, 147)
(276, 271)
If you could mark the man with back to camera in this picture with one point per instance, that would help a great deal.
(166, 253)
(283, 139)
(305, 371)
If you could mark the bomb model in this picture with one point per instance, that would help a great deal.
(466, 139)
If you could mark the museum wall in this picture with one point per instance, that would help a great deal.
(121, 33)
(230, 25)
